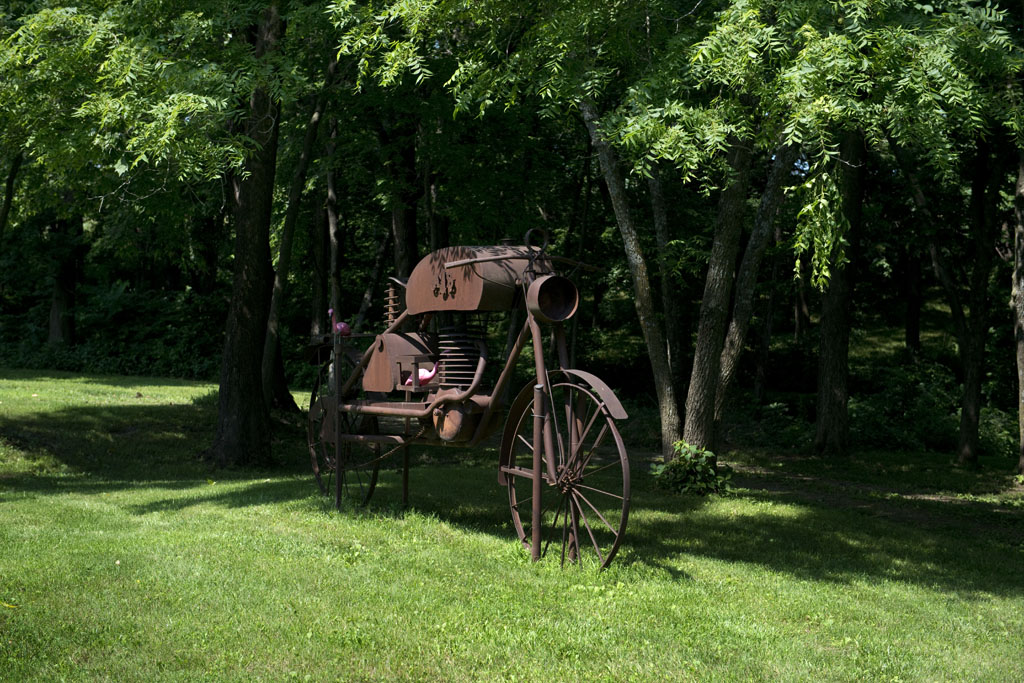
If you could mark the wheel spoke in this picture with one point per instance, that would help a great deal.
(607, 493)
(554, 524)
(590, 419)
(565, 527)
(582, 466)
(600, 469)
(521, 502)
(590, 533)
(597, 512)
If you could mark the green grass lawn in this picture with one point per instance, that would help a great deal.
(123, 557)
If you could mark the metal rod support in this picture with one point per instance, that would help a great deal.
(538, 447)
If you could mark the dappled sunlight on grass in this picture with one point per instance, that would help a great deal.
(810, 569)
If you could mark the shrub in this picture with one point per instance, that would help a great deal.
(914, 406)
(126, 332)
(693, 470)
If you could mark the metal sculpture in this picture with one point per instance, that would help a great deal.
(427, 379)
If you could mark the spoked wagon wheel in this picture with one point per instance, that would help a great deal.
(319, 432)
(357, 476)
(586, 504)
(360, 462)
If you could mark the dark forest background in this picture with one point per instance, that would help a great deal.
(808, 216)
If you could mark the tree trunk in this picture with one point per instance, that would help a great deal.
(320, 250)
(913, 301)
(404, 196)
(335, 242)
(746, 280)
(243, 421)
(973, 359)
(832, 427)
(653, 337)
(669, 294)
(1018, 300)
(714, 306)
(437, 225)
(66, 252)
(801, 310)
(207, 235)
(579, 229)
(764, 342)
(271, 341)
(984, 229)
(5, 208)
(333, 237)
(971, 324)
(372, 283)
(283, 398)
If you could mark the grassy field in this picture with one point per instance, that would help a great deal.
(123, 557)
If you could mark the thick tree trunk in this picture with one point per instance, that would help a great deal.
(243, 421)
(67, 234)
(5, 208)
(670, 303)
(714, 306)
(1018, 300)
(973, 359)
(653, 337)
(746, 279)
(272, 339)
(832, 427)
(283, 398)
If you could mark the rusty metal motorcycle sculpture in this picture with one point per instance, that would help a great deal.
(425, 381)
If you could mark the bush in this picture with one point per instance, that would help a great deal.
(906, 407)
(693, 470)
(125, 332)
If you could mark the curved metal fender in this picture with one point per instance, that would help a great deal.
(603, 391)
(611, 401)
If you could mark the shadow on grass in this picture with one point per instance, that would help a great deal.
(121, 444)
(840, 540)
(839, 537)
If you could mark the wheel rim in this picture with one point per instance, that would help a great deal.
(321, 449)
(585, 506)
(360, 463)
